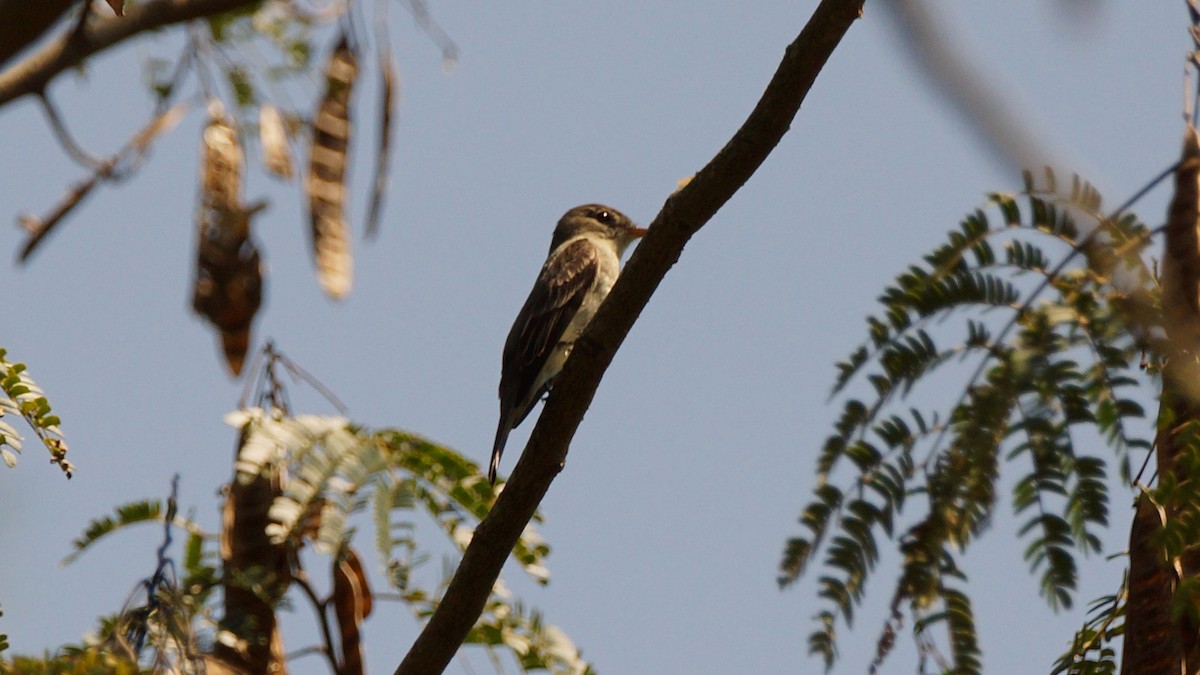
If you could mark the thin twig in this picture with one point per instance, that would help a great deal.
(116, 168)
(299, 653)
(420, 13)
(300, 577)
(67, 141)
(303, 375)
(39, 228)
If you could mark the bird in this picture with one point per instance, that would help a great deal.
(583, 263)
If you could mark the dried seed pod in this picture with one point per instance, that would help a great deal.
(326, 185)
(391, 90)
(221, 182)
(228, 284)
(1181, 260)
(272, 135)
(351, 606)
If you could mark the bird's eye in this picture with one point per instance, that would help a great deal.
(604, 217)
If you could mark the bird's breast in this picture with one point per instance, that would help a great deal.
(606, 275)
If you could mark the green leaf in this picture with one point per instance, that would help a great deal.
(242, 86)
(132, 513)
(1049, 351)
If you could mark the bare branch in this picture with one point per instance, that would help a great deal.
(683, 214)
(114, 168)
(970, 90)
(65, 139)
(37, 228)
(300, 578)
(35, 71)
(420, 13)
(22, 22)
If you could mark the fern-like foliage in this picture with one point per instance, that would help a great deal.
(335, 470)
(22, 397)
(1047, 351)
(157, 629)
(141, 512)
(1091, 651)
(537, 644)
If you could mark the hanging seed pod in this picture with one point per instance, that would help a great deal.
(221, 186)
(352, 602)
(326, 185)
(388, 98)
(1181, 260)
(272, 135)
(228, 292)
(228, 284)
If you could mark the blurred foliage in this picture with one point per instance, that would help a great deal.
(1091, 652)
(81, 663)
(1056, 363)
(335, 470)
(21, 396)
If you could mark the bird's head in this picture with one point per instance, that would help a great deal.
(596, 219)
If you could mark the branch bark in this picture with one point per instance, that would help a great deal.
(22, 22)
(32, 73)
(683, 214)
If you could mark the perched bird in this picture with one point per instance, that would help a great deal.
(584, 261)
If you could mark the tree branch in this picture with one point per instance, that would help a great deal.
(22, 22)
(65, 139)
(683, 214)
(32, 74)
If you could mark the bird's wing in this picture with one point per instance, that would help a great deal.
(556, 297)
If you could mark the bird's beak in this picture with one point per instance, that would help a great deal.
(636, 232)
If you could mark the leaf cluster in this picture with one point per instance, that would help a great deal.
(336, 470)
(1091, 652)
(165, 622)
(1050, 353)
(21, 396)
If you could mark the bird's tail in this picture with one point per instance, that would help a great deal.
(498, 448)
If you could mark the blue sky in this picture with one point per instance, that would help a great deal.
(692, 464)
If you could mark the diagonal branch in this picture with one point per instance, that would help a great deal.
(22, 22)
(32, 73)
(683, 214)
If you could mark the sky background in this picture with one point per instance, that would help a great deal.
(687, 474)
